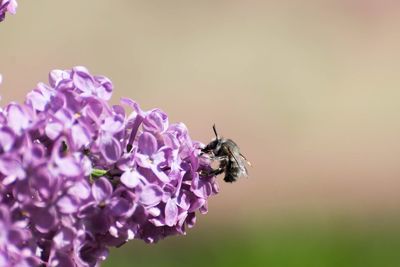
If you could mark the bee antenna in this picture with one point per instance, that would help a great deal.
(215, 131)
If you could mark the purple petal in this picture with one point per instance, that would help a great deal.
(68, 167)
(58, 102)
(157, 221)
(43, 183)
(102, 190)
(80, 189)
(80, 135)
(131, 178)
(45, 219)
(65, 117)
(198, 203)
(104, 91)
(119, 110)
(53, 130)
(37, 152)
(12, 7)
(15, 236)
(67, 205)
(183, 201)
(147, 144)
(154, 211)
(86, 164)
(83, 80)
(204, 209)
(200, 188)
(110, 148)
(112, 124)
(94, 108)
(87, 210)
(143, 160)
(160, 157)
(63, 238)
(171, 212)
(37, 100)
(151, 195)
(191, 219)
(101, 222)
(155, 121)
(11, 167)
(119, 207)
(7, 138)
(56, 76)
(104, 81)
(134, 105)
(160, 174)
(17, 119)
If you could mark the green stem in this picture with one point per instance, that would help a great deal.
(98, 172)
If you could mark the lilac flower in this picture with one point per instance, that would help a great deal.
(9, 6)
(15, 249)
(78, 175)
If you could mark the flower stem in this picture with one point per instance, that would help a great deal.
(98, 172)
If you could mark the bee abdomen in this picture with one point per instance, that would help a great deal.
(229, 178)
(232, 172)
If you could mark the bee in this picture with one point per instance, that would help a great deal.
(227, 152)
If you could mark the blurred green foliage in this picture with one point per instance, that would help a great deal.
(290, 245)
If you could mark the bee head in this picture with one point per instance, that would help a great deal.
(214, 146)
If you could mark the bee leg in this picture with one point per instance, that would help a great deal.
(212, 172)
(217, 171)
(220, 158)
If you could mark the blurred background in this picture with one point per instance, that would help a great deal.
(310, 91)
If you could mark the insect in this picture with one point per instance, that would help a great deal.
(227, 152)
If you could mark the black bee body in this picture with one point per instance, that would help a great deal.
(227, 152)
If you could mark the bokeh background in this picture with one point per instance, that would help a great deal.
(309, 89)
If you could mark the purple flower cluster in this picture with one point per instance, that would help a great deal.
(9, 6)
(78, 175)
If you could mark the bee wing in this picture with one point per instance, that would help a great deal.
(241, 162)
